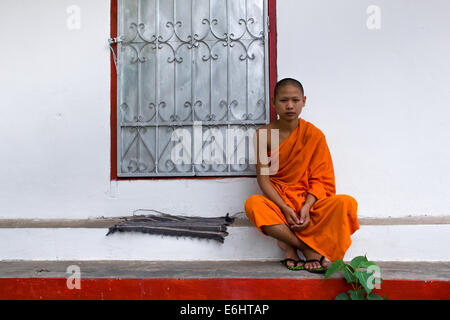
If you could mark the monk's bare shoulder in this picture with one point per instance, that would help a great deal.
(269, 128)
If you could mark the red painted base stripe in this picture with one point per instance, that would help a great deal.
(210, 289)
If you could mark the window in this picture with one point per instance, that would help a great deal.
(192, 86)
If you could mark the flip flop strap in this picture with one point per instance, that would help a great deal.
(300, 262)
(296, 262)
(316, 260)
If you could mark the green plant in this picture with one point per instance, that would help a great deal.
(363, 275)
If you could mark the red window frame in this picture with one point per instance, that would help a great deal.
(113, 120)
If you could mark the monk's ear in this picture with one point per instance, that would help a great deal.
(304, 100)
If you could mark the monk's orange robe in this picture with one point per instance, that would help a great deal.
(305, 166)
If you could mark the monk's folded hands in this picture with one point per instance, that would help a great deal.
(291, 216)
(305, 219)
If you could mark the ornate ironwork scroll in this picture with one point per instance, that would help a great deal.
(193, 86)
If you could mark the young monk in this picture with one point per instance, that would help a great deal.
(299, 206)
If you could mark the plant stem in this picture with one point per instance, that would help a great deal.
(353, 274)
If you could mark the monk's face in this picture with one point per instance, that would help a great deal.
(289, 102)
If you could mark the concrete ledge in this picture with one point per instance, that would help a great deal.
(239, 222)
(206, 269)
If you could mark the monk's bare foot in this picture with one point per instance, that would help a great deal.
(313, 255)
(289, 252)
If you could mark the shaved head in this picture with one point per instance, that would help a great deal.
(287, 82)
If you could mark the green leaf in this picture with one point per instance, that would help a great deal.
(336, 266)
(348, 275)
(374, 296)
(357, 262)
(364, 279)
(361, 262)
(342, 296)
(357, 294)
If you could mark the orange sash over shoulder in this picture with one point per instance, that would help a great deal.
(305, 166)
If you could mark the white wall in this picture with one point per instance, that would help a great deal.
(379, 243)
(380, 96)
(55, 89)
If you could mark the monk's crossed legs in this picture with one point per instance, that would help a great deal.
(266, 215)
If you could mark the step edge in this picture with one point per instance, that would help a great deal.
(239, 222)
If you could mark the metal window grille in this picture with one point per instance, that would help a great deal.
(192, 85)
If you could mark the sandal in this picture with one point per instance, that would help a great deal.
(320, 270)
(295, 267)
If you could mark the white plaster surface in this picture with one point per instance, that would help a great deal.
(380, 96)
(379, 243)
